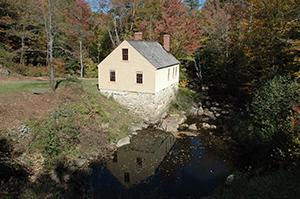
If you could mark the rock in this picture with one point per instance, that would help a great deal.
(207, 103)
(171, 123)
(137, 127)
(193, 111)
(134, 133)
(193, 127)
(205, 119)
(213, 108)
(105, 126)
(4, 71)
(224, 112)
(196, 111)
(199, 104)
(80, 162)
(200, 111)
(213, 127)
(24, 130)
(230, 179)
(66, 177)
(181, 119)
(218, 114)
(123, 141)
(183, 127)
(205, 126)
(216, 104)
(209, 114)
(54, 176)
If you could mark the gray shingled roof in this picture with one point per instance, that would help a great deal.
(154, 53)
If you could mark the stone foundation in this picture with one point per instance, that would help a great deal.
(149, 106)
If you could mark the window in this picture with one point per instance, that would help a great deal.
(173, 73)
(125, 54)
(112, 76)
(126, 177)
(168, 74)
(139, 162)
(176, 71)
(139, 77)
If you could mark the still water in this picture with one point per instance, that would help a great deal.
(156, 165)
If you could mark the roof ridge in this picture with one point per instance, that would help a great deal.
(154, 52)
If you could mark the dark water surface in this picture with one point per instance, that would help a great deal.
(156, 165)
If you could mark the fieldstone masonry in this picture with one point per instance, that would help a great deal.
(150, 106)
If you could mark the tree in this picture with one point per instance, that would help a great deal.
(47, 10)
(192, 4)
(184, 29)
(78, 18)
(270, 32)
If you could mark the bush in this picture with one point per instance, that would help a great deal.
(29, 70)
(60, 67)
(6, 57)
(72, 66)
(184, 99)
(266, 126)
(91, 69)
(271, 108)
(57, 136)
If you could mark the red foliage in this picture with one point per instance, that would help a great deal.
(183, 28)
(79, 17)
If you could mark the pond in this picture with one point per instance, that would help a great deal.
(157, 165)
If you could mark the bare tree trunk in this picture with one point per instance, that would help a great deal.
(22, 49)
(81, 58)
(50, 48)
(198, 73)
(116, 31)
(111, 38)
(133, 15)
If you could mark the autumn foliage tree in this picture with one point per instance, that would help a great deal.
(78, 20)
(184, 29)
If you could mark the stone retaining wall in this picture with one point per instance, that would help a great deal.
(150, 106)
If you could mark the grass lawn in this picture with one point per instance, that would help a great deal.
(12, 86)
(23, 86)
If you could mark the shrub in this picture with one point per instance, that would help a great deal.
(184, 99)
(60, 67)
(266, 127)
(72, 66)
(29, 70)
(57, 136)
(91, 69)
(6, 57)
(271, 108)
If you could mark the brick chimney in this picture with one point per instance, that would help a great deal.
(138, 36)
(167, 42)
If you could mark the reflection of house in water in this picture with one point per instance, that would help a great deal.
(135, 162)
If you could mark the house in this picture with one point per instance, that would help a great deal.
(141, 75)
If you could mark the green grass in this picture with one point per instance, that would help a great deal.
(90, 85)
(23, 86)
(6, 87)
(184, 100)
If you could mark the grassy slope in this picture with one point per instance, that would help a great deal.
(82, 124)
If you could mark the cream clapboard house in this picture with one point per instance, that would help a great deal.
(142, 75)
